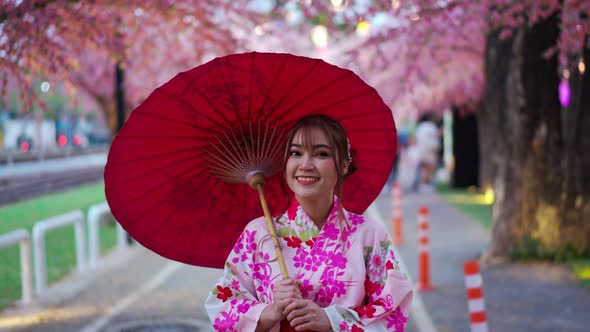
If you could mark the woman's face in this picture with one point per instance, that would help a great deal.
(310, 171)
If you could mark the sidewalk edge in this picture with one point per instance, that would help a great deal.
(418, 310)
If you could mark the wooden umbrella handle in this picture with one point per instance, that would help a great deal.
(273, 232)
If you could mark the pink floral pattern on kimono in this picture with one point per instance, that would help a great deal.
(348, 268)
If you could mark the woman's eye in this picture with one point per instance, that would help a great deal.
(294, 153)
(323, 154)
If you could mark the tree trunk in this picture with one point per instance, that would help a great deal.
(487, 169)
(465, 148)
(105, 103)
(541, 164)
(119, 97)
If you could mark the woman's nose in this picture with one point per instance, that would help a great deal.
(306, 162)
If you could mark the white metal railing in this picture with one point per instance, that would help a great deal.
(41, 227)
(96, 214)
(22, 237)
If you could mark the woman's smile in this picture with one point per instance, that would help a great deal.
(307, 180)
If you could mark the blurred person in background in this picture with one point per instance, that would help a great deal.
(403, 140)
(427, 148)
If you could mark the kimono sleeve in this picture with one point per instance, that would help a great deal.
(388, 291)
(233, 304)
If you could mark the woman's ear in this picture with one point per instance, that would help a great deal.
(345, 167)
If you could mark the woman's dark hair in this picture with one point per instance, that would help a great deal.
(337, 140)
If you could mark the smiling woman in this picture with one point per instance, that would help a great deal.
(316, 165)
(343, 272)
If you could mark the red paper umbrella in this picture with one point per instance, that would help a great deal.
(176, 173)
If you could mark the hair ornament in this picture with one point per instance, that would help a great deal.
(349, 155)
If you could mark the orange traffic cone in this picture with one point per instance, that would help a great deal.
(475, 302)
(423, 250)
(396, 212)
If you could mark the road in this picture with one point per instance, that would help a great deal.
(26, 180)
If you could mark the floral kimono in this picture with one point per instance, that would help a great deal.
(348, 268)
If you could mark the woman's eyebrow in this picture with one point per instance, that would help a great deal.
(316, 146)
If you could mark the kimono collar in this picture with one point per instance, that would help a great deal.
(296, 214)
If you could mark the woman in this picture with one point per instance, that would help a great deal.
(343, 271)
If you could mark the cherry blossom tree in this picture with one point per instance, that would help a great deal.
(505, 59)
(80, 42)
(539, 170)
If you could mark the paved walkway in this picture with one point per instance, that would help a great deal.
(518, 296)
(139, 286)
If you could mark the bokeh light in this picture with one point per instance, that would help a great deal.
(363, 28)
(24, 146)
(45, 86)
(564, 93)
(62, 140)
(76, 140)
(319, 36)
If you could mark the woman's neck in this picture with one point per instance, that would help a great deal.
(317, 209)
